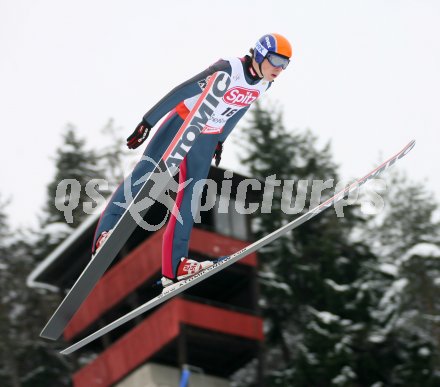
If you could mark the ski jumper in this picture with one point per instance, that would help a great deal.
(244, 89)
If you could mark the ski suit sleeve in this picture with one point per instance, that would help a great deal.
(187, 89)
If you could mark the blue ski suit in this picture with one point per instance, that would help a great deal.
(245, 88)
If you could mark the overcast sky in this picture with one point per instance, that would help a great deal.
(365, 75)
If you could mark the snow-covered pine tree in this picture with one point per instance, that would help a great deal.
(406, 283)
(80, 166)
(310, 278)
(25, 360)
(9, 373)
(113, 154)
(73, 161)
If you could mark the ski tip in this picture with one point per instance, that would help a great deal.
(45, 334)
(408, 148)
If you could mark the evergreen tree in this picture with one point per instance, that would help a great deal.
(112, 155)
(26, 360)
(405, 283)
(77, 164)
(310, 279)
(79, 179)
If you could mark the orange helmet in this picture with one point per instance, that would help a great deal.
(275, 47)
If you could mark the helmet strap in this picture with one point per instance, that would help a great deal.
(254, 70)
(261, 70)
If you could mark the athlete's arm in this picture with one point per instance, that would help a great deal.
(187, 89)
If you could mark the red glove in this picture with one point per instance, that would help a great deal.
(139, 135)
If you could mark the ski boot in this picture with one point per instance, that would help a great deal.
(100, 241)
(187, 268)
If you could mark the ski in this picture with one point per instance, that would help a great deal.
(151, 190)
(224, 262)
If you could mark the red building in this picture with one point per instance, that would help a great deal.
(214, 327)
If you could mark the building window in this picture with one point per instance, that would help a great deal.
(230, 223)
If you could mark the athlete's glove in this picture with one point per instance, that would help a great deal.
(218, 153)
(139, 135)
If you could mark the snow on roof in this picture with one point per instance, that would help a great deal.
(61, 248)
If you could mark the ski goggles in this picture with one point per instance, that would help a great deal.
(277, 60)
